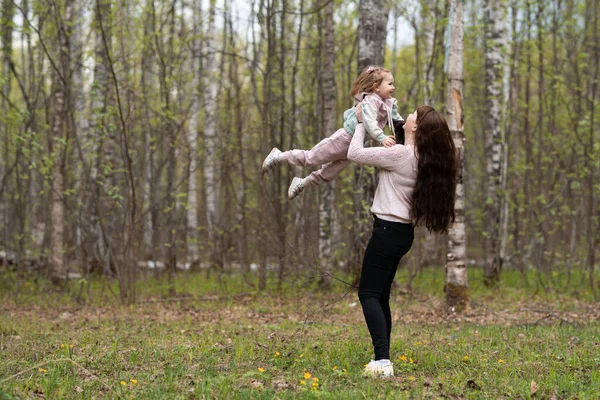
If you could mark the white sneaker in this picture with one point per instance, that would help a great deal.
(272, 160)
(296, 187)
(379, 368)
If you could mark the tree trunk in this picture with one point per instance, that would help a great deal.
(58, 270)
(147, 80)
(8, 11)
(80, 126)
(495, 39)
(592, 218)
(211, 139)
(456, 265)
(327, 195)
(372, 25)
(97, 135)
(192, 203)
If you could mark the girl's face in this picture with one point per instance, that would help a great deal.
(386, 88)
(411, 123)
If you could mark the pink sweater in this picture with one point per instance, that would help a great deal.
(397, 176)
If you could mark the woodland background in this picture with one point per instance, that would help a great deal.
(132, 134)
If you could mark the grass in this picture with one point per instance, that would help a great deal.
(226, 341)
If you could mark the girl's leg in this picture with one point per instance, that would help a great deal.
(327, 173)
(388, 243)
(330, 149)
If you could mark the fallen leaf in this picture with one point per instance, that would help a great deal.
(256, 384)
(533, 388)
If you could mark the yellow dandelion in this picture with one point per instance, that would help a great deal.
(134, 381)
(500, 361)
(302, 382)
(344, 370)
(334, 367)
(301, 355)
(277, 354)
(403, 358)
(71, 346)
(43, 370)
(315, 384)
(307, 375)
(419, 342)
(316, 379)
(412, 361)
(123, 383)
(261, 369)
(412, 378)
(62, 345)
(466, 358)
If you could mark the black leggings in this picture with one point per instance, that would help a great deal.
(389, 242)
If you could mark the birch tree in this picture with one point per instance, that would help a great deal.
(211, 140)
(58, 271)
(326, 209)
(98, 121)
(146, 84)
(495, 39)
(456, 264)
(192, 203)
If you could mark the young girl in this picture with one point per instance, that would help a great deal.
(374, 87)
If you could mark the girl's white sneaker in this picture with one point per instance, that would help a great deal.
(272, 160)
(296, 187)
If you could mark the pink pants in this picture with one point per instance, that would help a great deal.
(330, 152)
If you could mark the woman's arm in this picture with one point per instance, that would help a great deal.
(382, 157)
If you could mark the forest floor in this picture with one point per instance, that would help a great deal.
(221, 340)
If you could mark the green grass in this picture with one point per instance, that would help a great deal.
(260, 345)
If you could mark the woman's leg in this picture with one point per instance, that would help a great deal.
(388, 243)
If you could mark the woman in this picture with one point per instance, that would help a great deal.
(417, 183)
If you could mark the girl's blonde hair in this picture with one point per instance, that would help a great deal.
(367, 80)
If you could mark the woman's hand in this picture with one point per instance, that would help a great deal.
(359, 112)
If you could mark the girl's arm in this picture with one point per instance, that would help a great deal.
(386, 158)
(395, 115)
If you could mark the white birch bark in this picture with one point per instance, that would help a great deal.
(456, 264)
(495, 43)
(76, 44)
(58, 271)
(372, 25)
(192, 196)
(211, 159)
(147, 80)
(327, 194)
(98, 123)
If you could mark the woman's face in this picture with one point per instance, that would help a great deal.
(411, 123)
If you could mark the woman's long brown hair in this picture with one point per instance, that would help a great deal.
(435, 191)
